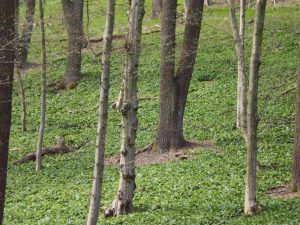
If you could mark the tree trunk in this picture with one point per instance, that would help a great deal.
(167, 70)
(7, 56)
(122, 203)
(251, 206)
(23, 97)
(185, 68)
(103, 115)
(25, 38)
(73, 12)
(295, 184)
(156, 8)
(43, 91)
(238, 36)
(207, 2)
(174, 88)
(186, 7)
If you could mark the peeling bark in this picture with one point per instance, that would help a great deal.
(122, 203)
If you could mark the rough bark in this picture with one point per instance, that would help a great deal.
(103, 115)
(167, 70)
(156, 8)
(43, 91)
(251, 206)
(295, 183)
(238, 36)
(185, 68)
(174, 87)
(7, 35)
(25, 38)
(122, 203)
(73, 14)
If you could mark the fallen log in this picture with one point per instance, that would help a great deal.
(45, 151)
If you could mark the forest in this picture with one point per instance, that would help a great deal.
(149, 112)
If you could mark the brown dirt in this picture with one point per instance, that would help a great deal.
(146, 156)
(282, 192)
(30, 66)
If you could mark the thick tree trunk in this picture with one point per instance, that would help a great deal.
(25, 38)
(185, 68)
(73, 12)
(167, 70)
(156, 8)
(238, 36)
(174, 88)
(251, 206)
(103, 115)
(122, 203)
(7, 56)
(295, 184)
(43, 91)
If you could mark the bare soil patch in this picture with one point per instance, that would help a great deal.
(282, 192)
(146, 156)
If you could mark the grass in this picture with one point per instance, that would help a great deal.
(207, 190)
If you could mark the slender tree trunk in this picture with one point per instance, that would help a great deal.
(238, 35)
(156, 8)
(251, 206)
(73, 12)
(295, 184)
(186, 7)
(103, 115)
(185, 68)
(7, 56)
(174, 87)
(25, 38)
(23, 97)
(207, 2)
(43, 91)
(122, 203)
(167, 71)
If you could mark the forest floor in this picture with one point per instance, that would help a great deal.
(208, 188)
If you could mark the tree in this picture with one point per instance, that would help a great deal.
(251, 206)
(239, 38)
(207, 2)
(174, 86)
(295, 183)
(43, 91)
(73, 13)
(122, 203)
(25, 38)
(103, 114)
(156, 8)
(7, 56)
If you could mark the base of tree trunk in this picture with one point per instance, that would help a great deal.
(252, 208)
(45, 151)
(119, 207)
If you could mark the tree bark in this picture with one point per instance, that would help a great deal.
(23, 97)
(174, 87)
(295, 183)
(251, 206)
(25, 38)
(7, 56)
(207, 2)
(185, 68)
(238, 36)
(73, 13)
(167, 71)
(103, 115)
(156, 8)
(43, 91)
(122, 203)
